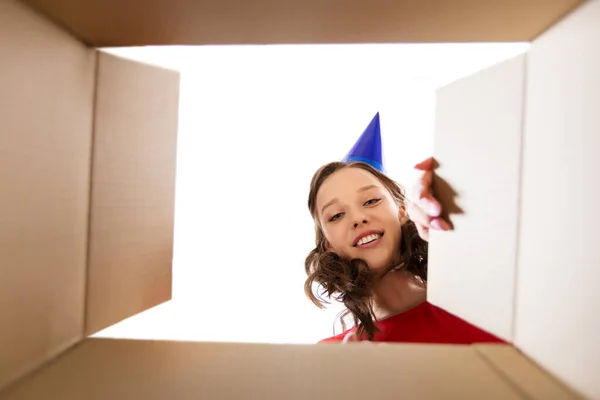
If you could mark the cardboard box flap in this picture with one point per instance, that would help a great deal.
(558, 291)
(100, 369)
(478, 131)
(108, 23)
(133, 190)
(533, 382)
(46, 105)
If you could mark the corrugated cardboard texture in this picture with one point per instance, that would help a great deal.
(531, 380)
(133, 190)
(110, 22)
(46, 94)
(478, 146)
(152, 370)
(557, 319)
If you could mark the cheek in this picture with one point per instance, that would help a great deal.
(396, 214)
(334, 234)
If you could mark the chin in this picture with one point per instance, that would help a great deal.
(378, 264)
(378, 258)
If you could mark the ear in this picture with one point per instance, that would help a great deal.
(326, 244)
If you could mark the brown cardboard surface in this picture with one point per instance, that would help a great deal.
(46, 95)
(107, 23)
(558, 287)
(531, 380)
(133, 190)
(121, 369)
(46, 106)
(478, 131)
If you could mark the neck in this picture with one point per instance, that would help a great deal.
(397, 292)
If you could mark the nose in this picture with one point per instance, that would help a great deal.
(356, 224)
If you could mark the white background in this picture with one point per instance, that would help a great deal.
(255, 124)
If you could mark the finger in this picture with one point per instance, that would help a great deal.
(423, 185)
(423, 220)
(439, 224)
(425, 165)
(418, 216)
(423, 232)
(429, 205)
(425, 182)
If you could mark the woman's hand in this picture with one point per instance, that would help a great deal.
(425, 211)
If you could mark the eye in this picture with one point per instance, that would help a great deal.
(335, 217)
(372, 201)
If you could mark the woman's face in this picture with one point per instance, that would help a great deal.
(359, 218)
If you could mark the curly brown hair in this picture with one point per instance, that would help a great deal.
(351, 281)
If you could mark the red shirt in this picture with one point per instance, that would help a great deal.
(426, 323)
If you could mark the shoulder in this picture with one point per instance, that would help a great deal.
(428, 323)
(463, 331)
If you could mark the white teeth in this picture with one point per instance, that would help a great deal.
(368, 239)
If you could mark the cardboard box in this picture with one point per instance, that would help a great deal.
(87, 172)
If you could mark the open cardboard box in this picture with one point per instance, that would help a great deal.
(87, 172)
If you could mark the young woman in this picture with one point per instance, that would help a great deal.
(372, 256)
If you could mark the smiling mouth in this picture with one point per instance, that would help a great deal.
(368, 239)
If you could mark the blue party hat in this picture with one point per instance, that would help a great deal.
(368, 147)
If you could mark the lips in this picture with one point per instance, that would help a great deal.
(366, 237)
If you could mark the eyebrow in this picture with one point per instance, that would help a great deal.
(362, 189)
